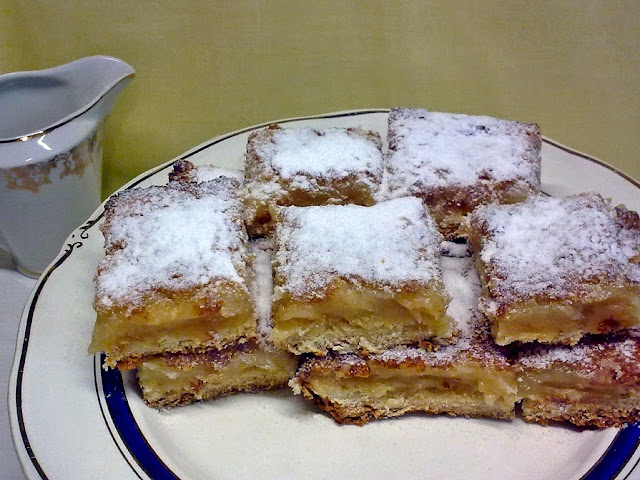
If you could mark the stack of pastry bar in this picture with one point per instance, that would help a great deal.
(565, 273)
(183, 296)
(178, 293)
(388, 319)
(452, 163)
(551, 272)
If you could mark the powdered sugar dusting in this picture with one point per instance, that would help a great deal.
(463, 285)
(173, 237)
(549, 246)
(206, 173)
(455, 249)
(389, 244)
(261, 285)
(431, 149)
(332, 152)
(263, 191)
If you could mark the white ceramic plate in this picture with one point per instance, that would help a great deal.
(72, 420)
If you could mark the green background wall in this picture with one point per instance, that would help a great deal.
(205, 67)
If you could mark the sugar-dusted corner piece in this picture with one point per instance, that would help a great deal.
(174, 274)
(186, 172)
(594, 383)
(176, 379)
(470, 377)
(308, 166)
(555, 269)
(350, 278)
(456, 162)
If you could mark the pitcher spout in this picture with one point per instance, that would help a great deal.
(45, 112)
(39, 101)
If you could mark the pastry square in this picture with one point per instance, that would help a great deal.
(595, 383)
(350, 278)
(471, 377)
(180, 379)
(185, 171)
(174, 275)
(308, 166)
(555, 269)
(456, 162)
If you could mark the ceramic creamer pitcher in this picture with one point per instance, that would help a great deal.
(51, 153)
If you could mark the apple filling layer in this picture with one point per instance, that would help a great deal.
(566, 322)
(182, 322)
(351, 318)
(553, 396)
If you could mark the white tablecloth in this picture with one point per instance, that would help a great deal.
(14, 292)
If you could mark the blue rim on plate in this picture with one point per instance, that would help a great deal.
(109, 385)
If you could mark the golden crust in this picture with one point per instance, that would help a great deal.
(189, 358)
(589, 415)
(610, 360)
(479, 350)
(195, 393)
(361, 415)
(315, 293)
